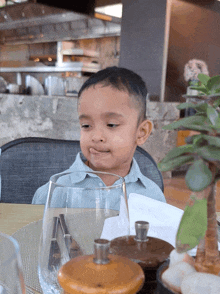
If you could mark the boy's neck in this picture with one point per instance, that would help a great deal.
(108, 179)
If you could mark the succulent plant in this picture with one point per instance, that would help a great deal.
(202, 153)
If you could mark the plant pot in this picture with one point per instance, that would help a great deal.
(161, 288)
(150, 284)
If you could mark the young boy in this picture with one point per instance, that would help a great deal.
(112, 117)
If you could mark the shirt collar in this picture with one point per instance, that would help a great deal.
(79, 164)
(135, 174)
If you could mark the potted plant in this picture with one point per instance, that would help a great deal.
(202, 153)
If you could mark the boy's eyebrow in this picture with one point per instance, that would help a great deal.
(112, 114)
(84, 116)
(105, 114)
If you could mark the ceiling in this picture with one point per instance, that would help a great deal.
(29, 22)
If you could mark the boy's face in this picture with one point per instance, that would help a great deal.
(109, 129)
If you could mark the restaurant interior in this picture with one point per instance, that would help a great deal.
(48, 50)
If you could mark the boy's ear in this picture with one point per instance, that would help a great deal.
(144, 131)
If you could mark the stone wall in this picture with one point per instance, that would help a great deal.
(56, 117)
(38, 116)
(161, 141)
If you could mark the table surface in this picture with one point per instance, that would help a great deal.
(16, 216)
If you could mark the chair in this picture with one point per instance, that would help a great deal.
(28, 163)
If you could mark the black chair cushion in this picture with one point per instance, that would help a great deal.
(27, 164)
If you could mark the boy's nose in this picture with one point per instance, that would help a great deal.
(98, 136)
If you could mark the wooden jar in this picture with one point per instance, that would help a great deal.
(101, 273)
(148, 252)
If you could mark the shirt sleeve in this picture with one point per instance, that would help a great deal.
(40, 196)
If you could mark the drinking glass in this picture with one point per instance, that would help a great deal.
(11, 274)
(75, 216)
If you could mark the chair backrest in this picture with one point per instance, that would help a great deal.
(148, 166)
(28, 163)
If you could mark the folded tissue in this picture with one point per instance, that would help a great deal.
(164, 219)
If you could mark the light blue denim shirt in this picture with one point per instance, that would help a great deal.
(135, 181)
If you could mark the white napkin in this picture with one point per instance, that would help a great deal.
(164, 219)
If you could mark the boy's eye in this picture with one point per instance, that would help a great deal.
(112, 125)
(85, 126)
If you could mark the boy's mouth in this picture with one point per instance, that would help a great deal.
(97, 151)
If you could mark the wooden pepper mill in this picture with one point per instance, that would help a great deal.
(148, 252)
(101, 273)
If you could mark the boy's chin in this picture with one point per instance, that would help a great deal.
(99, 167)
(102, 167)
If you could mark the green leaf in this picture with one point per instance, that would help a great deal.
(209, 153)
(200, 128)
(214, 95)
(193, 225)
(212, 115)
(217, 124)
(186, 105)
(216, 103)
(194, 83)
(200, 107)
(215, 141)
(198, 176)
(203, 78)
(213, 84)
(173, 163)
(214, 92)
(200, 89)
(197, 140)
(186, 122)
(177, 151)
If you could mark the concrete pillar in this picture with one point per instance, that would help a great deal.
(143, 42)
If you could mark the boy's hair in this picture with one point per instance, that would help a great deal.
(121, 79)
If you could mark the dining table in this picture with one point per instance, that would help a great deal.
(14, 218)
(19, 220)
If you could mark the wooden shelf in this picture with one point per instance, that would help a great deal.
(80, 52)
(63, 67)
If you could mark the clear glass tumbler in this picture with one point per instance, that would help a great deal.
(11, 273)
(75, 216)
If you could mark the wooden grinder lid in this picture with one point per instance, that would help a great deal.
(148, 252)
(101, 273)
